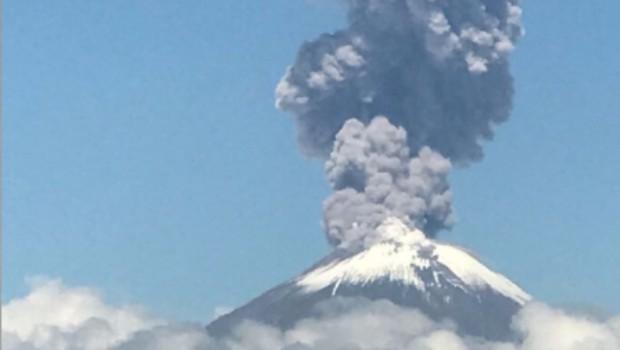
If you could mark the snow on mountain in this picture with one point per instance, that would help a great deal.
(401, 257)
(406, 268)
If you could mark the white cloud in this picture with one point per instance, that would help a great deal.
(53, 316)
(347, 55)
(56, 317)
(287, 93)
(333, 67)
(546, 328)
(476, 64)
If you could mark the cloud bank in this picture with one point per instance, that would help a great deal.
(56, 317)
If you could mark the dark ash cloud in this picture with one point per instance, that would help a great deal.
(437, 68)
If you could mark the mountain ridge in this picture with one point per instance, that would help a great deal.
(405, 268)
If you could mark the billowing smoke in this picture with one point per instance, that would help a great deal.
(436, 70)
(375, 177)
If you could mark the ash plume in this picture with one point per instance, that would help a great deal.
(437, 71)
(375, 177)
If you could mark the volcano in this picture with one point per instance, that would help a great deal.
(406, 268)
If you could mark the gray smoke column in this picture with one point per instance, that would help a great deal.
(437, 70)
(375, 177)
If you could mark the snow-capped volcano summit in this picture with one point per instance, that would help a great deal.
(404, 267)
(405, 256)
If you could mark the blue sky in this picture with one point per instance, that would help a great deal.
(143, 154)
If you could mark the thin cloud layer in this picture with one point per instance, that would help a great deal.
(56, 317)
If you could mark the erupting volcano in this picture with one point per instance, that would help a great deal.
(391, 103)
(405, 268)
